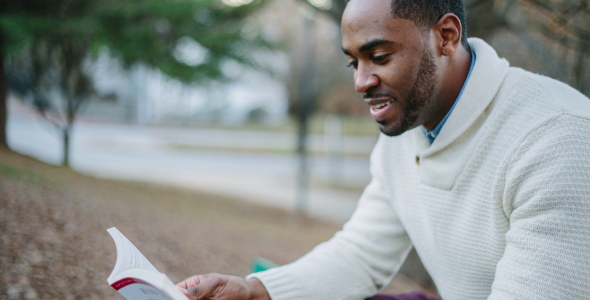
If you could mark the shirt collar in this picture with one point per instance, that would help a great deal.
(432, 134)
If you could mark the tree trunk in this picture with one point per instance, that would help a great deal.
(66, 145)
(71, 109)
(3, 102)
(303, 176)
(307, 97)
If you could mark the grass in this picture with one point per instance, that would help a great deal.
(54, 244)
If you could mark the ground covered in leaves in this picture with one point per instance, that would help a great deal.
(54, 244)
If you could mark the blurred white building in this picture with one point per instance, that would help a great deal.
(147, 96)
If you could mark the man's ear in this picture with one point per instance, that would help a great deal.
(448, 34)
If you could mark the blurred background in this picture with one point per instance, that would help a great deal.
(210, 132)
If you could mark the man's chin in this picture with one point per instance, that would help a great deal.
(395, 129)
(391, 130)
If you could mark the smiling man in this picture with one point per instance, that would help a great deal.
(483, 168)
(396, 69)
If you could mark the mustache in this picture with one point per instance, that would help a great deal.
(370, 95)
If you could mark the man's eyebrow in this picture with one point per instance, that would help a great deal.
(373, 43)
(369, 45)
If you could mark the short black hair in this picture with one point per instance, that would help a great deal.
(425, 13)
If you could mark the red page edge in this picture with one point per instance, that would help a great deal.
(127, 281)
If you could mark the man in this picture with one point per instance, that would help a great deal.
(483, 168)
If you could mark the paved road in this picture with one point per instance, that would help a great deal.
(191, 158)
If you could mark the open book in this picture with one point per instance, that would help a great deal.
(135, 277)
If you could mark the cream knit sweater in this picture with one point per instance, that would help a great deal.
(498, 207)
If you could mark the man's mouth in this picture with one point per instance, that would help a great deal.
(378, 107)
(381, 111)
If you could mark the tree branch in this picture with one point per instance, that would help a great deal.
(334, 12)
(51, 121)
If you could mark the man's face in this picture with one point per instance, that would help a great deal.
(393, 63)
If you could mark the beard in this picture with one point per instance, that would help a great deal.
(418, 98)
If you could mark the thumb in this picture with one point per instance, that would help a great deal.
(206, 288)
(185, 292)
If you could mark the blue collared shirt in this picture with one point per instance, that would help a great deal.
(432, 134)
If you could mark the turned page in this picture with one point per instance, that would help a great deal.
(128, 256)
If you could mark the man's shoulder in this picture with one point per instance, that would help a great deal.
(539, 91)
(538, 111)
(529, 103)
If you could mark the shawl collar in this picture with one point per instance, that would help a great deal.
(488, 74)
(442, 162)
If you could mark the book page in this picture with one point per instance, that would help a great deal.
(141, 291)
(128, 256)
(138, 284)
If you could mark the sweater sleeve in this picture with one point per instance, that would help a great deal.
(547, 201)
(355, 263)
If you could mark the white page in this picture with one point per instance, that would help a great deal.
(128, 256)
(164, 288)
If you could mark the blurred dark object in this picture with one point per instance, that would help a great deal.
(53, 42)
(551, 37)
(258, 115)
(3, 108)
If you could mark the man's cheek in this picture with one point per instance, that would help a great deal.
(402, 82)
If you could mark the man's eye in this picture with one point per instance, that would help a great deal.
(352, 64)
(378, 59)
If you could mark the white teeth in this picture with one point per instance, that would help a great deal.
(382, 105)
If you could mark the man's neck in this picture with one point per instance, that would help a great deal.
(453, 80)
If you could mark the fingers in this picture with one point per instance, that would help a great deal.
(202, 286)
(190, 282)
(207, 288)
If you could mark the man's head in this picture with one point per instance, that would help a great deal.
(405, 53)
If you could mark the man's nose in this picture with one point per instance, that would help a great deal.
(364, 80)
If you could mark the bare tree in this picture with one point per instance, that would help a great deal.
(307, 99)
(334, 11)
(565, 25)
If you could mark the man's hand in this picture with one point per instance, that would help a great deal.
(222, 287)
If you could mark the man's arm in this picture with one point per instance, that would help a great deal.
(547, 200)
(354, 264)
(357, 261)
